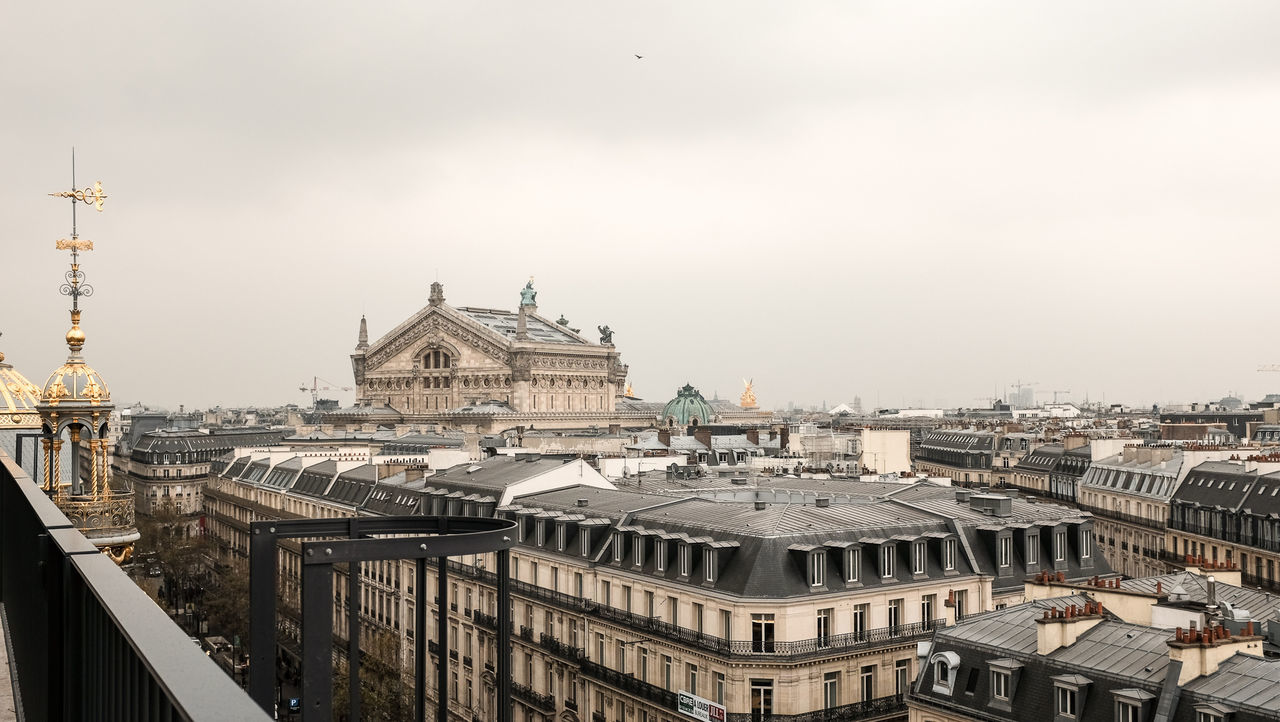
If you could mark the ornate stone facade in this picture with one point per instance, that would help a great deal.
(447, 361)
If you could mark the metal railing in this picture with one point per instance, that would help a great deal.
(1157, 524)
(85, 641)
(879, 708)
(537, 700)
(791, 650)
(1228, 534)
(629, 684)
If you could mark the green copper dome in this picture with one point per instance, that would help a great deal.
(688, 407)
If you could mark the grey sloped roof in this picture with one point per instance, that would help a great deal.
(352, 487)
(314, 479)
(1259, 603)
(1122, 649)
(392, 501)
(504, 322)
(1012, 629)
(600, 502)
(1043, 458)
(1217, 483)
(283, 474)
(493, 475)
(1241, 681)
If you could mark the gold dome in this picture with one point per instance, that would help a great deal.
(18, 398)
(75, 382)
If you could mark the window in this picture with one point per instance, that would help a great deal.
(1000, 685)
(626, 597)
(620, 657)
(585, 536)
(726, 623)
(1033, 549)
(1006, 550)
(886, 560)
(1066, 706)
(852, 564)
(918, 557)
(644, 664)
(761, 698)
(637, 551)
(697, 617)
(1059, 546)
(867, 682)
(831, 690)
(617, 547)
(561, 536)
(666, 672)
(949, 554)
(928, 605)
(709, 565)
(692, 675)
(861, 613)
(718, 692)
(1086, 543)
(944, 666)
(682, 552)
(762, 633)
(817, 569)
(660, 551)
(606, 592)
(824, 626)
(901, 676)
(1126, 712)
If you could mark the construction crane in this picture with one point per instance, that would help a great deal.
(315, 388)
(1055, 394)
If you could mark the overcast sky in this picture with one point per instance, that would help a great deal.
(918, 203)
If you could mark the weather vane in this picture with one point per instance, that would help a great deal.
(75, 287)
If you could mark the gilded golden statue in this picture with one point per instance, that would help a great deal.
(748, 398)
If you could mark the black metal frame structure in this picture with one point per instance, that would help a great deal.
(85, 642)
(352, 541)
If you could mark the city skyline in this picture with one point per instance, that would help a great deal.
(834, 200)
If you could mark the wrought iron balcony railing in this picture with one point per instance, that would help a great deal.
(893, 705)
(85, 641)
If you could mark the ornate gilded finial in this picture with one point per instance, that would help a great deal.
(1, 352)
(748, 398)
(75, 287)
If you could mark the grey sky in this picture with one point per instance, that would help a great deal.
(914, 202)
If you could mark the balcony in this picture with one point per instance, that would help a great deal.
(1157, 524)
(735, 649)
(537, 700)
(85, 641)
(629, 684)
(890, 707)
(560, 649)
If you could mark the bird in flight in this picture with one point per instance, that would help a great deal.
(638, 57)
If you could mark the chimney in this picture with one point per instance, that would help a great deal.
(1059, 628)
(703, 435)
(664, 437)
(1201, 652)
(753, 435)
(1074, 441)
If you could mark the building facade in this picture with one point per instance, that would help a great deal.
(766, 600)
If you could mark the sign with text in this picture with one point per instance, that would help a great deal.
(700, 709)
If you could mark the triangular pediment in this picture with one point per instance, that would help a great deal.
(434, 324)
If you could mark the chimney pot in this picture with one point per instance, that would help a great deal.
(1177, 634)
(1248, 628)
(1062, 577)
(1159, 588)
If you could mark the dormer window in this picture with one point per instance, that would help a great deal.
(541, 531)
(1086, 542)
(1033, 549)
(949, 554)
(1005, 551)
(918, 557)
(1059, 546)
(562, 536)
(852, 564)
(1004, 682)
(660, 551)
(584, 535)
(638, 551)
(682, 552)
(1069, 693)
(945, 665)
(709, 565)
(886, 561)
(1132, 704)
(617, 547)
(818, 569)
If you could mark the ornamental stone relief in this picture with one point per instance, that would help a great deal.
(437, 325)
